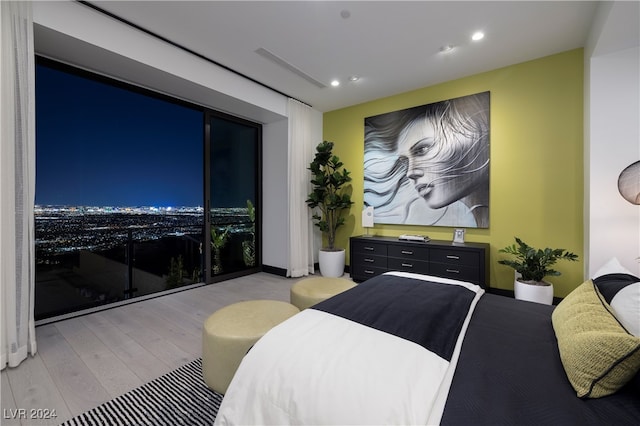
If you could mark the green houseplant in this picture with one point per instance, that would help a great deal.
(219, 238)
(329, 199)
(532, 266)
(249, 246)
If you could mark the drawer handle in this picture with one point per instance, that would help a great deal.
(406, 252)
(407, 265)
(368, 248)
(450, 256)
(369, 260)
(366, 271)
(453, 271)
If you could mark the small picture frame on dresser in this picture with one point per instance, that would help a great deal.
(458, 236)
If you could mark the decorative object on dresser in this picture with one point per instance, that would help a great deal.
(331, 200)
(372, 256)
(413, 237)
(531, 266)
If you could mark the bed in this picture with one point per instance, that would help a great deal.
(413, 349)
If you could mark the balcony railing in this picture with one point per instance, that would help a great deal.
(88, 268)
(83, 261)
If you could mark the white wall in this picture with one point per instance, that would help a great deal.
(274, 190)
(612, 135)
(78, 35)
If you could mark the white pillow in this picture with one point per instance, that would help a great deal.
(626, 307)
(621, 290)
(613, 266)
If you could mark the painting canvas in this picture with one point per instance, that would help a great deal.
(429, 165)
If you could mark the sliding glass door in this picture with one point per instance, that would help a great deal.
(119, 184)
(233, 151)
(137, 193)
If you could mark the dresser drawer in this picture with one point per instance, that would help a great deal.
(369, 260)
(408, 265)
(369, 247)
(409, 252)
(362, 272)
(457, 272)
(455, 257)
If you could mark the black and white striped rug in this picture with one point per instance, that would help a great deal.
(177, 398)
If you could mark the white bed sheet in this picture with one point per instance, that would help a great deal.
(318, 368)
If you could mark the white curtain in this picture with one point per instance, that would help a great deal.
(17, 182)
(300, 262)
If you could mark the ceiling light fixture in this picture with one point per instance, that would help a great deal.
(446, 48)
(335, 83)
(354, 78)
(478, 35)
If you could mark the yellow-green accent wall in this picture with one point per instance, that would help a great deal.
(536, 175)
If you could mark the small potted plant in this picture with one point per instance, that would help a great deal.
(531, 266)
(331, 201)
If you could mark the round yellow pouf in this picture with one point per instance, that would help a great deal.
(309, 291)
(231, 331)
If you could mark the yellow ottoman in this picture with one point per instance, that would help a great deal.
(309, 291)
(231, 331)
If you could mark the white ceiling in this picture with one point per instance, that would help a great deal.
(393, 46)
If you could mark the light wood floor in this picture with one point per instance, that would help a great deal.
(85, 361)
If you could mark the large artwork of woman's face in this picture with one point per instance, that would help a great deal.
(429, 165)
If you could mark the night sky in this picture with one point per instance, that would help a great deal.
(101, 145)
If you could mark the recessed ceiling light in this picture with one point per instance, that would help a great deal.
(335, 83)
(479, 35)
(354, 78)
(446, 48)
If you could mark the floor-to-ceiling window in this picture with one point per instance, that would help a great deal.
(123, 183)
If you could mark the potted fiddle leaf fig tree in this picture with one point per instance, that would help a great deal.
(532, 266)
(330, 200)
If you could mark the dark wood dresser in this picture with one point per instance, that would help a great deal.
(371, 256)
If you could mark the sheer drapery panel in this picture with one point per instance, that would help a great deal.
(300, 257)
(17, 183)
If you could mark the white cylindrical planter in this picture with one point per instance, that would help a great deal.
(331, 263)
(533, 293)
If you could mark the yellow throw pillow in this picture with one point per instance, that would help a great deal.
(598, 354)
